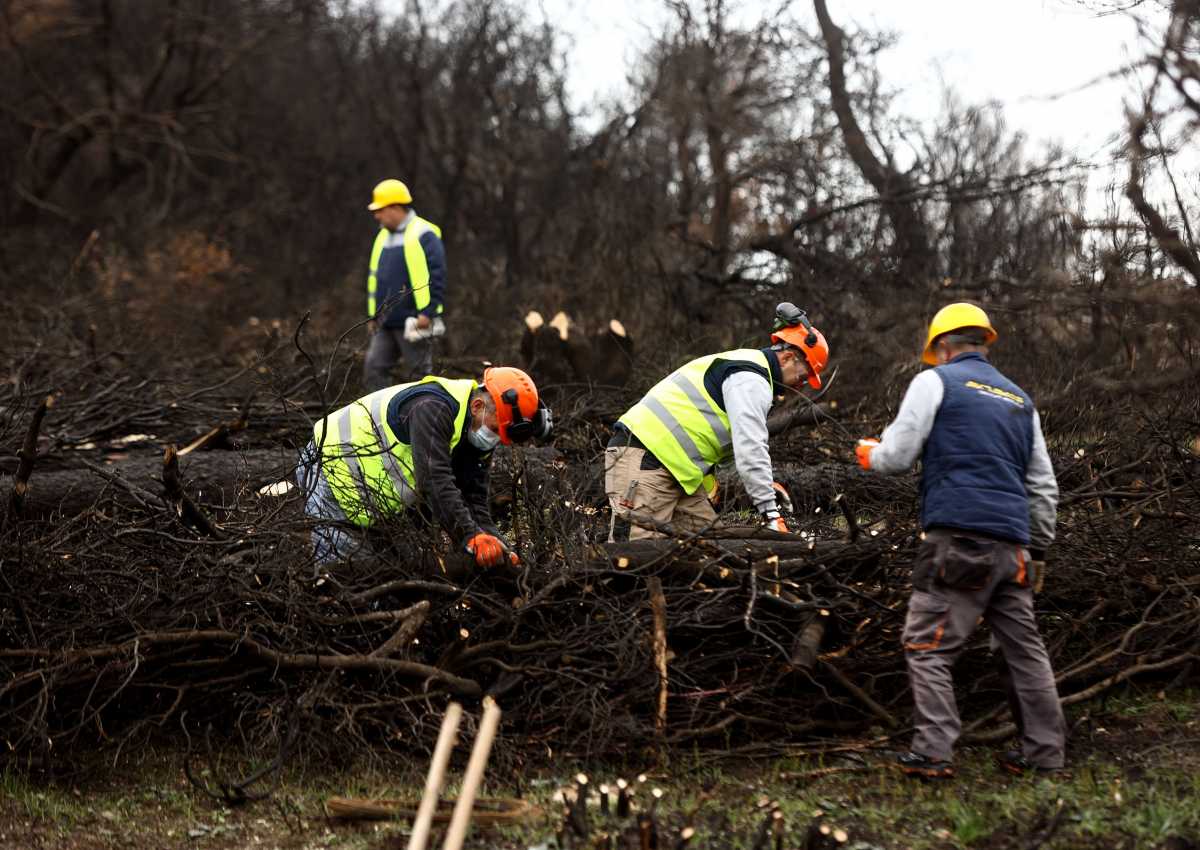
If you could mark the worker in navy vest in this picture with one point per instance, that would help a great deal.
(661, 460)
(988, 503)
(426, 445)
(406, 288)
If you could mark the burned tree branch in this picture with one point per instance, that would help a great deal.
(28, 455)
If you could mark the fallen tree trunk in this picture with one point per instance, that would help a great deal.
(68, 487)
(215, 478)
(76, 482)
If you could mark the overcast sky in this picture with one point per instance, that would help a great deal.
(1033, 56)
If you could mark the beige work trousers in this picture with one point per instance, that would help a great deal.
(652, 493)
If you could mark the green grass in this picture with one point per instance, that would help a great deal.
(36, 802)
(981, 804)
(1133, 780)
(1179, 705)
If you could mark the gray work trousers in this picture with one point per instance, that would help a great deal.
(957, 579)
(387, 346)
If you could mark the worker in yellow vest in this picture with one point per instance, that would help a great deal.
(406, 287)
(424, 444)
(707, 411)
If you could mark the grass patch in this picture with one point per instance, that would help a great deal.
(1133, 779)
(38, 803)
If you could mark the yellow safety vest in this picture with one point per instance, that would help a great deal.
(414, 259)
(680, 423)
(369, 469)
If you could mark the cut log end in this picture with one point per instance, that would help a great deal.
(561, 323)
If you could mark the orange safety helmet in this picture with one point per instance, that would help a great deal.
(792, 326)
(519, 411)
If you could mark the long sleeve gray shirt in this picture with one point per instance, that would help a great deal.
(747, 403)
(904, 439)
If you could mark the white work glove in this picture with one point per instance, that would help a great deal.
(412, 333)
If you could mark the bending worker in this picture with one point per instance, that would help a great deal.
(988, 501)
(406, 287)
(705, 411)
(426, 444)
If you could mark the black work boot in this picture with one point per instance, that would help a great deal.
(923, 767)
(1014, 762)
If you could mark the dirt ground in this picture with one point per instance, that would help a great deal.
(1133, 782)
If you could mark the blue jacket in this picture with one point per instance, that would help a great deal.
(392, 279)
(974, 462)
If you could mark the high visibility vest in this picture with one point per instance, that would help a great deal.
(369, 468)
(682, 425)
(414, 259)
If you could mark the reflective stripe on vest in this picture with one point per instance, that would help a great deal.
(381, 239)
(414, 260)
(369, 469)
(682, 425)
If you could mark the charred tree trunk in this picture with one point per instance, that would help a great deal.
(895, 190)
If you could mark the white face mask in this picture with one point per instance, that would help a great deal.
(484, 439)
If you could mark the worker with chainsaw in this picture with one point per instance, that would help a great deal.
(425, 445)
(659, 465)
(406, 288)
(988, 502)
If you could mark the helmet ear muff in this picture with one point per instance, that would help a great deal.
(788, 315)
(515, 428)
(543, 421)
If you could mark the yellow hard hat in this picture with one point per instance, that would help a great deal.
(388, 192)
(952, 317)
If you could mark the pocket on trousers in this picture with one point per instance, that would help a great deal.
(965, 563)
(925, 565)
(925, 624)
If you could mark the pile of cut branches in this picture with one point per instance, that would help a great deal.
(143, 591)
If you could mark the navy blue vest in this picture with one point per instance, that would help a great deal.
(973, 467)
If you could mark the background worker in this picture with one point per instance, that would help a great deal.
(698, 416)
(426, 444)
(406, 288)
(988, 501)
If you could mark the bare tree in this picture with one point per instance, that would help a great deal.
(915, 256)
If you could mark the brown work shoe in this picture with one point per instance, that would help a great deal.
(923, 767)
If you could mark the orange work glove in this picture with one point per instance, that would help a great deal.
(489, 550)
(863, 450)
(783, 500)
(773, 521)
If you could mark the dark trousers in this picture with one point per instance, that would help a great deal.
(388, 346)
